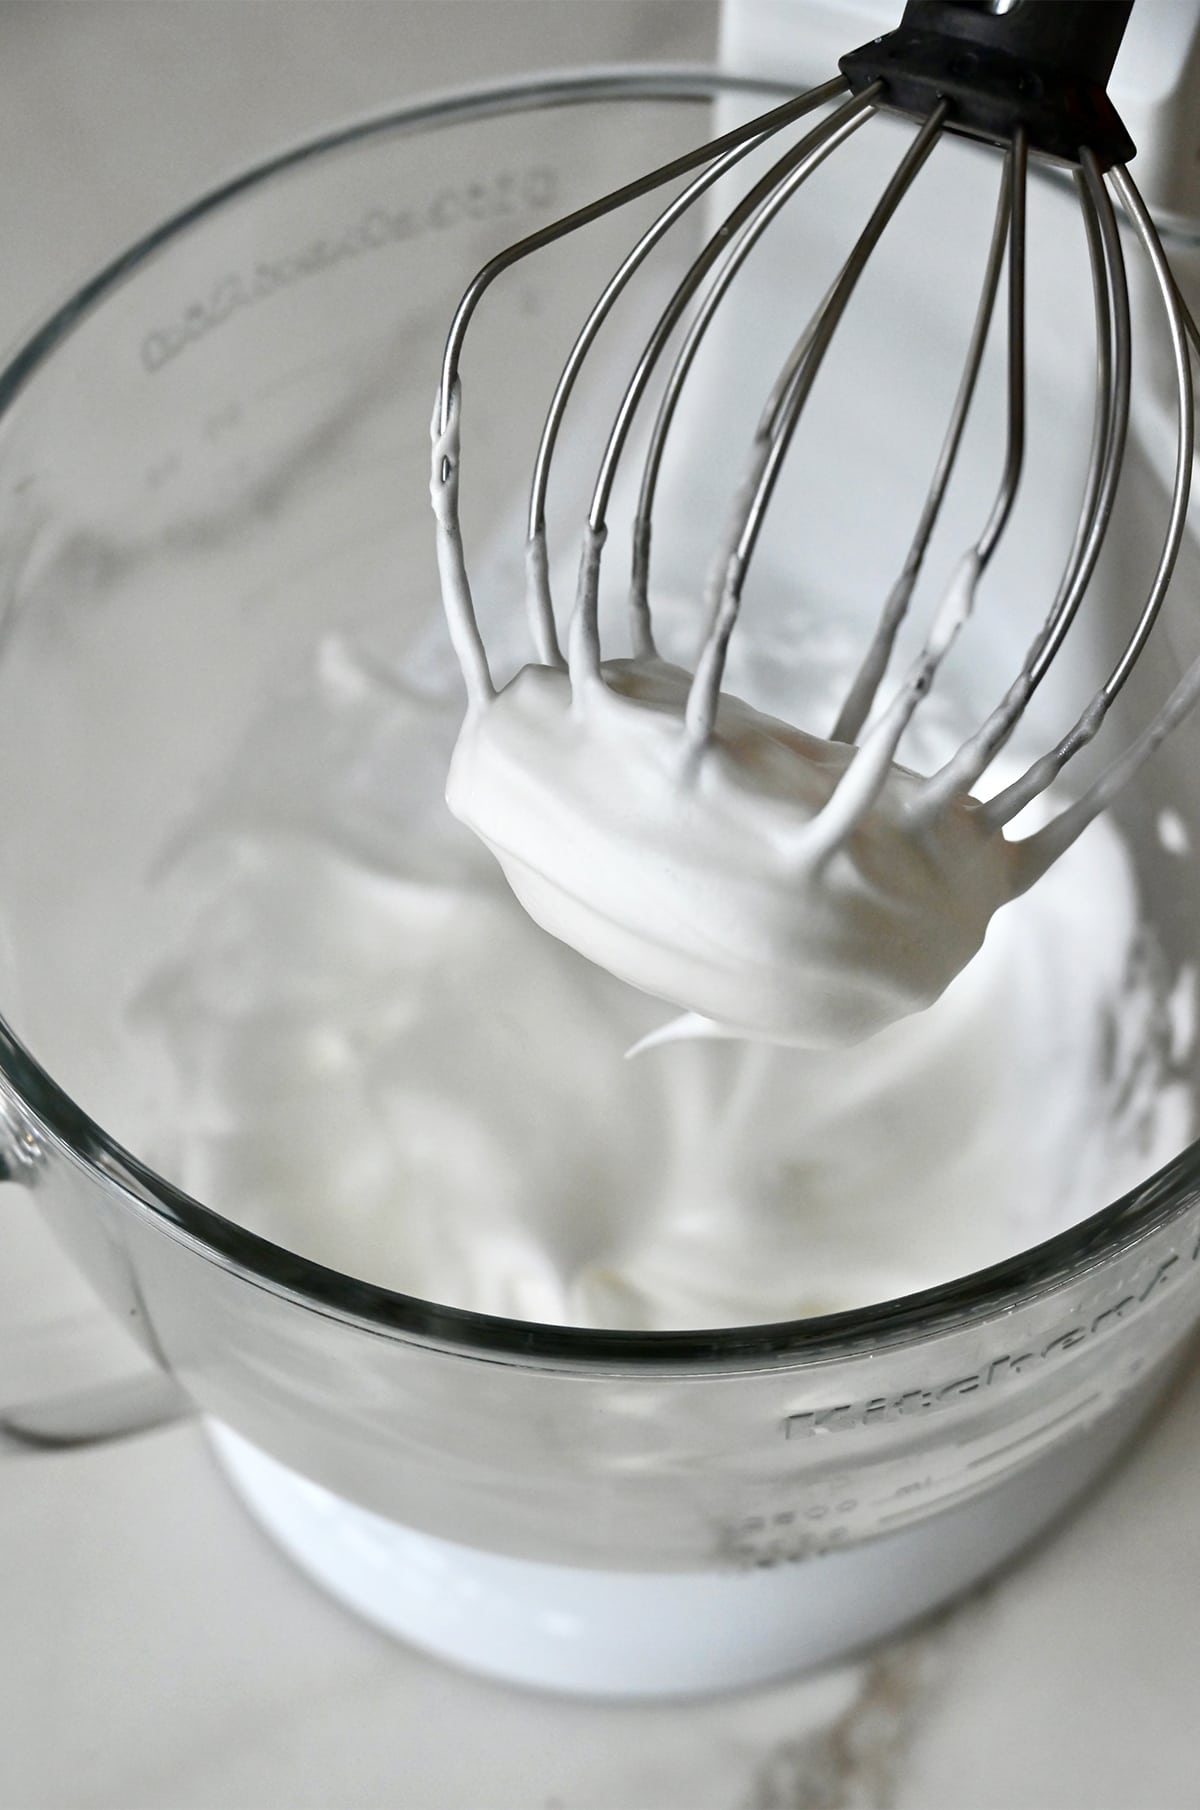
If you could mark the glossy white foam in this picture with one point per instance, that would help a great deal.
(362, 1047)
(714, 882)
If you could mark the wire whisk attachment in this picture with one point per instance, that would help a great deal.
(768, 881)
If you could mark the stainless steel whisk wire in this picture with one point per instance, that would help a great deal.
(721, 258)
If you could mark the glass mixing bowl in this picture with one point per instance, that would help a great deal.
(212, 456)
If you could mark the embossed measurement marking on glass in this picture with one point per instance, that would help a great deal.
(507, 192)
(843, 1416)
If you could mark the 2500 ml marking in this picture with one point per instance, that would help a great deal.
(485, 198)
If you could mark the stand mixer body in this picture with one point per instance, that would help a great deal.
(192, 497)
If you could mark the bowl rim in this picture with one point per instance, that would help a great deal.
(45, 1119)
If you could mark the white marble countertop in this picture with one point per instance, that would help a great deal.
(156, 1653)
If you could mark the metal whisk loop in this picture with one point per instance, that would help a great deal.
(1005, 806)
(775, 435)
(1110, 423)
(846, 122)
(447, 409)
(785, 175)
(871, 767)
(541, 607)
(866, 682)
(959, 597)
(751, 132)
(1110, 288)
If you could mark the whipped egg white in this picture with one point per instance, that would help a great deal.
(369, 1053)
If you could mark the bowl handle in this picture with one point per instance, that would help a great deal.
(114, 1410)
(93, 1412)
